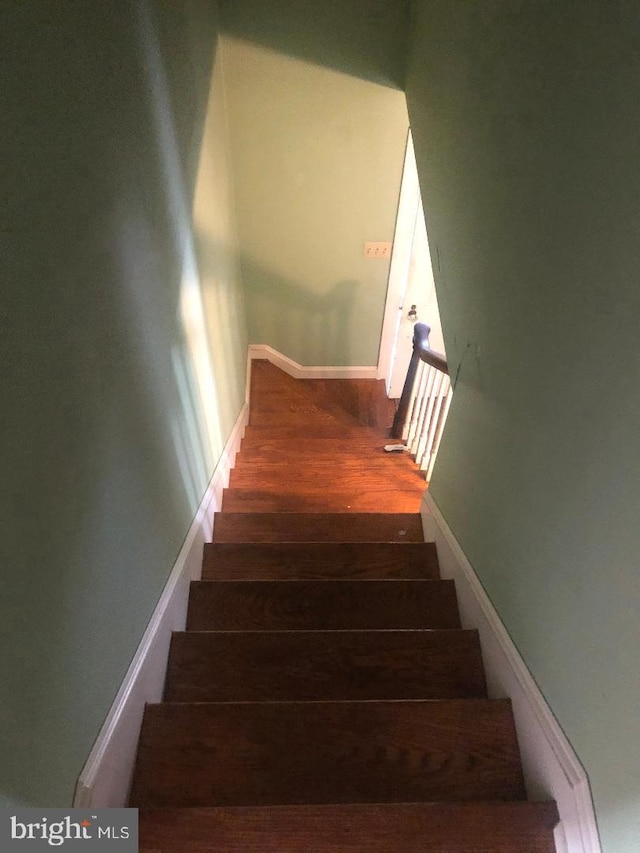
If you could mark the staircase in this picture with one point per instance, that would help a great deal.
(324, 698)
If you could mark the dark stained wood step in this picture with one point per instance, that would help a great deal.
(284, 753)
(359, 499)
(358, 434)
(321, 605)
(385, 475)
(321, 665)
(484, 827)
(352, 460)
(355, 446)
(349, 465)
(320, 561)
(299, 416)
(360, 401)
(317, 527)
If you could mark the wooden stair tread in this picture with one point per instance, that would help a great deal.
(322, 605)
(359, 401)
(270, 753)
(299, 561)
(312, 431)
(351, 460)
(472, 827)
(336, 447)
(299, 417)
(317, 527)
(320, 478)
(327, 465)
(321, 665)
(336, 500)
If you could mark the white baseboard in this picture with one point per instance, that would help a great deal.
(552, 770)
(299, 372)
(105, 779)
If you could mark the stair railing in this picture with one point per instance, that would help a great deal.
(424, 404)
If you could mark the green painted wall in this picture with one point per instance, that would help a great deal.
(317, 156)
(123, 370)
(526, 125)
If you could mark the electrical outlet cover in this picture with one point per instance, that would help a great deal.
(377, 250)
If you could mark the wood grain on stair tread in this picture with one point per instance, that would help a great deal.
(348, 435)
(321, 605)
(373, 500)
(320, 560)
(323, 476)
(317, 527)
(298, 416)
(356, 401)
(326, 752)
(352, 464)
(338, 448)
(483, 827)
(276, 409)
(320, 665)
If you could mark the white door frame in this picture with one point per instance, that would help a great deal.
(408, 206)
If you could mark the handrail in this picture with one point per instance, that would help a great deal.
(424, 405)
(421, 352)
(421, 334)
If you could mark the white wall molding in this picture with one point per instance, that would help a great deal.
(552, 769)
(299, 372)
(106, 777)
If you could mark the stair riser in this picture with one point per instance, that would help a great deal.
(210, 667)
(338, 561)
(350, 435)
(321, 605)
(314, 527)
(428, 828)
(299, 418)
(366, 478)
(330, 500)
(325, 449)
(353, 462)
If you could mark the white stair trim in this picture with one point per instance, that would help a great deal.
(552, 770)
(264, 351)
(105, 779)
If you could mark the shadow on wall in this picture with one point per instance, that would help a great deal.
(105, 445)
(299, 321)
(363, 38)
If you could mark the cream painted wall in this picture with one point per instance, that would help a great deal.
(317, 160)
(123, 346)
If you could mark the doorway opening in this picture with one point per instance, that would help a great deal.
(411, 293)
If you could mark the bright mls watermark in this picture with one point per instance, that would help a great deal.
(69, 829)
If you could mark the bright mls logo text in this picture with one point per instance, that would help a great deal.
(34, 829)
(57, 832)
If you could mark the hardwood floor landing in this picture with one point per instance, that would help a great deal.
(347, 402)
(318, 446)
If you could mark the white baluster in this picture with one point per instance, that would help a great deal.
(414, 403)
(432, 450)
(427, 422)
(424, 404)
